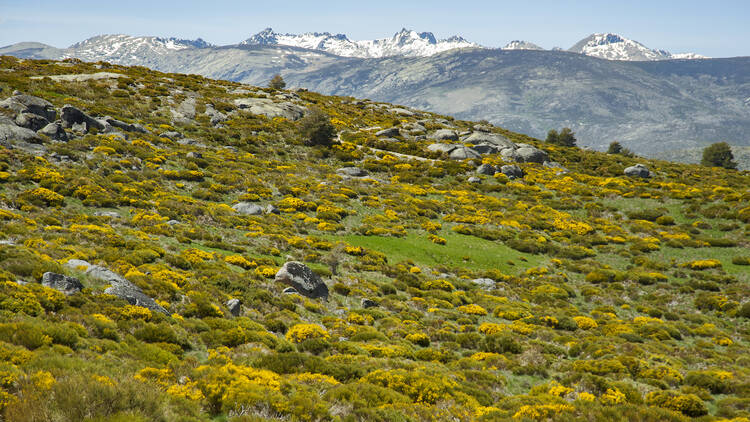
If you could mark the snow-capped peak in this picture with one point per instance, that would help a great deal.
(125, 49)
(404, 43)
(615, 47)
(521, 45)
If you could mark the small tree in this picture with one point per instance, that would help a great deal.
(719, 155)
(614, 148)
(277, 82)
(316, 128)
(617, 148)
(565, 138)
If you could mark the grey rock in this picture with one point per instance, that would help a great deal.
(76, 264)
(216, 116)
(555, 165)
(272, 209)
(62, 283)
(194, 154)
(638, 170)
(248, 208)
(106, 127)
(302, 278)
(367, 303)
(402, 112)
(172, 134)
(512, 171)
(484, 283)
(128, 127)
(487, 169)
(485, 148)
(463, 153)
(446, 148)
(270, 109)
(530, 154)
(474, 179)
(443, 135)
(28, 103)
(71, 116)
(54, 131)
(388, 133)
(11, 132)
(352, 172)
(124, 289)
(110, 214)
(290, 291)
(172, 222)
(185, 112)
(234, 306)
(31, 121)
(500, 141)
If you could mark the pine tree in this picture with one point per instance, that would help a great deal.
(719, 155)
(277, 82)
(316, 128)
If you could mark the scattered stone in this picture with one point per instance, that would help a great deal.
(462, 153)
(172, 222)
(446, 148)
(124, 289)
(638, 170)
(402, 112)
(290, 291)
(270, 109)
(77, 264)
(61, 283)
(272, 209)
(234, 306)
(512, 171)
(525, 154)
(474, 179)
(367, 303)
(487, 169)
(28, 103)
(248, 208)
(172, 134)
(484, 149)
(31, 121)
(185, 112)
(388, 133)
(485, 283)
(193, 154)
(444, 135)
(555, 165)
(110, 214)
(302, 278)
(352, 172)
(71, 116)
(54, 131)
(11, 132)
(125, 126)
(489, 138)
(215, 115)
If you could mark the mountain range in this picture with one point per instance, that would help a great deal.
(650, 101)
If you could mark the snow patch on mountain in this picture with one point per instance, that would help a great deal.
(124, 49)
(404, 43)
(615, 47)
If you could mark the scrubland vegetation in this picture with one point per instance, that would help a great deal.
(579, 295)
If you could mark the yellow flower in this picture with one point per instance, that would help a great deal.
(302, 332)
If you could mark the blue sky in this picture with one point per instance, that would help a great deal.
(717, 29)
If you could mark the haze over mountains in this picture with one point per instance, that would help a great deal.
(651, 100)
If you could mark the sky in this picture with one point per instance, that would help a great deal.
(717, 28)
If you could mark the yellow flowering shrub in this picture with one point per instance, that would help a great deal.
(472, 309)
(301, 332)
(585, 323)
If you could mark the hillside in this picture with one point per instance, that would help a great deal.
(171, 249)
(650, 107)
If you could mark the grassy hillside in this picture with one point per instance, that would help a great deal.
(609, 298)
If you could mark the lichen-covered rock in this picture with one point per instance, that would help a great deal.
(638, 170)
(234, 306)
(30, 104)
(303, 279)
(248, 208)
(54, 131)
(270, 109)
(499, 141)
(462, 153)
(62, 283)
(72, 117)
(486, 169)
(124, 289)
(444, 135)
(352, 172)
(388, 133)
(512, 171)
